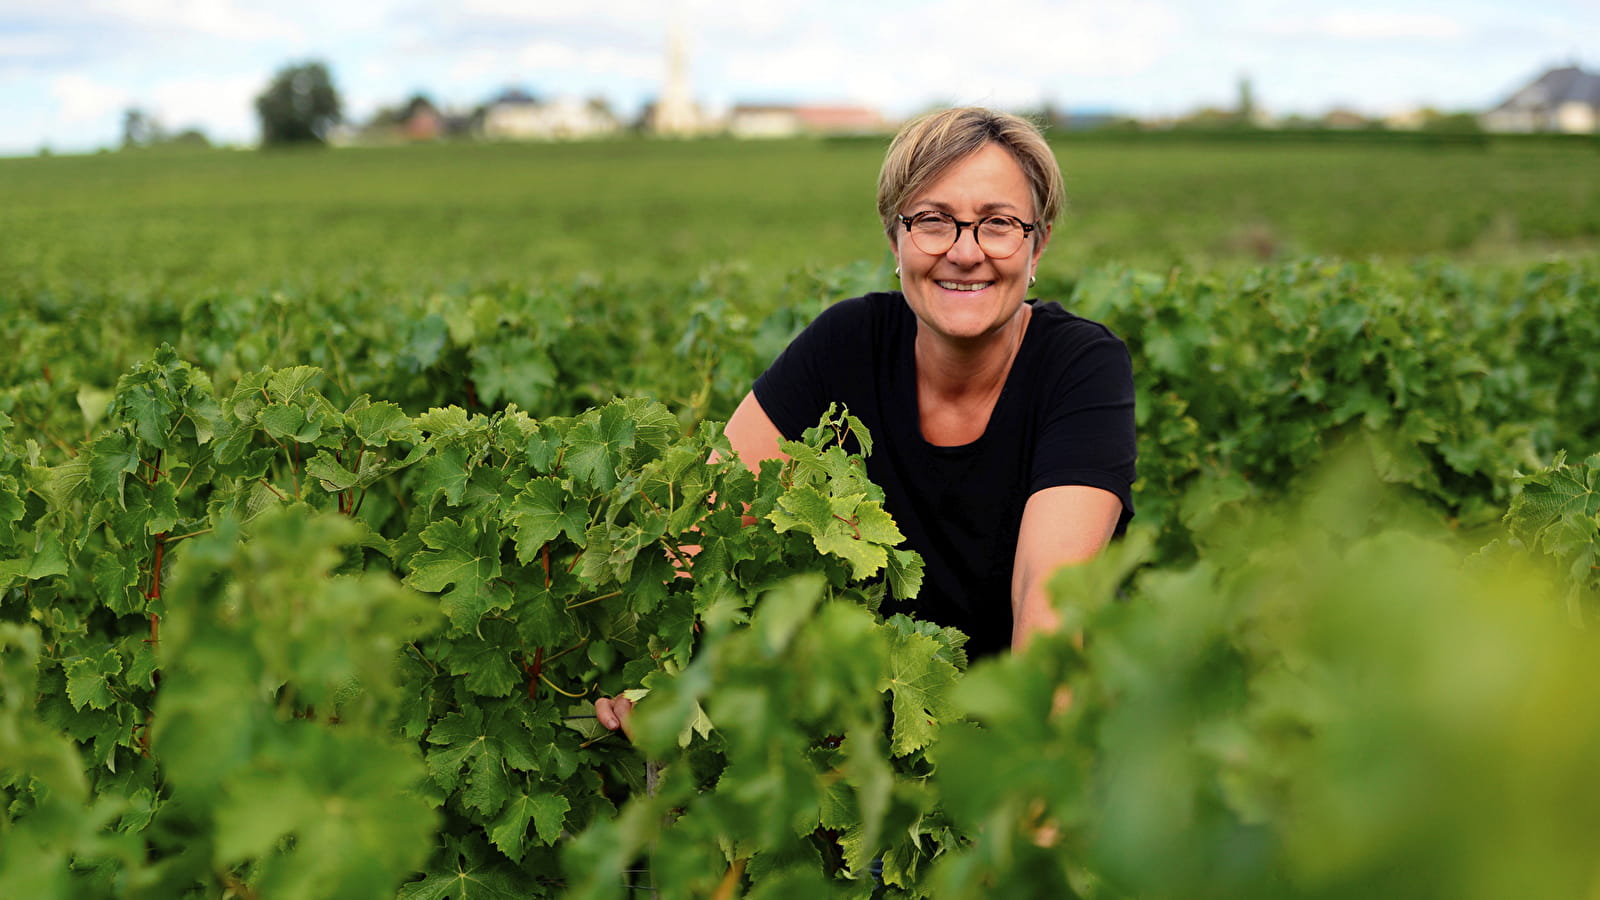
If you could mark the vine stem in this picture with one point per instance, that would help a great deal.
(594, 600)
(566, 651)
(347, 497)
(729, 886)
(155, 684)
(534, 671)
(557, 688)
(154, 593)
(423, 656)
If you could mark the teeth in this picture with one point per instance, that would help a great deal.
(960, 286)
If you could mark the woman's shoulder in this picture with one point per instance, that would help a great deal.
(1064, 334)
(873, 318)
(876, 306)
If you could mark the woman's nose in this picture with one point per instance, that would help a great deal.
(965, 251)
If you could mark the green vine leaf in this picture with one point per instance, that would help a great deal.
(465, 557)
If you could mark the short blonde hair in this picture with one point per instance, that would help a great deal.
(929, 145)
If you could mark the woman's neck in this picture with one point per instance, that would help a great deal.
(955, 370)
(958, 384)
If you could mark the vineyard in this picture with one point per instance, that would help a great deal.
(335, 488)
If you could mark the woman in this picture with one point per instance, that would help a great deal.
(1002, 428)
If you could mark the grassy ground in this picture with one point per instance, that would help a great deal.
(432, 216)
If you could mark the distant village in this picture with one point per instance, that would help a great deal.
(517, 115)
(1564, 99)
(1561, 100)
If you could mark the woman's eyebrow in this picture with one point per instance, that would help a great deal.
(997, 205)
(984, 209)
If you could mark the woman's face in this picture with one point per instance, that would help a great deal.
(963, 294)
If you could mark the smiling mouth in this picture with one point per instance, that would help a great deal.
(964, 286)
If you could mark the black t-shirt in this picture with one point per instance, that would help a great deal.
(1064, 417)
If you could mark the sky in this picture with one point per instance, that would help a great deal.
(69, 68)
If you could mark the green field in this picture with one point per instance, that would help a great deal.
(429, 217)
(335, 485)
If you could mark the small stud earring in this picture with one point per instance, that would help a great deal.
(1033, 280)
(897, 271)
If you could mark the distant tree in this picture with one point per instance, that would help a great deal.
(1208, 118)
(1119, 125)
(1299, 122)
(1247, 102)
(139, 128)
(1451, 123)
(299, 106)
(189, 137)
(600, 106)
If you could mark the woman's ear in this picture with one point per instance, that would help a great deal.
(1041, 242)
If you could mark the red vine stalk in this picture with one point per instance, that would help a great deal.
(533, 673)
(154, 593)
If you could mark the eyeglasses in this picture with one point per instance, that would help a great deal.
(997, 236)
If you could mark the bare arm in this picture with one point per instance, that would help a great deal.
(752, 434)
(1060, 526)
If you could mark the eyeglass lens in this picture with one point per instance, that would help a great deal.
(998, 236)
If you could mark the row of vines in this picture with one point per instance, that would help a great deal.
(335, 629)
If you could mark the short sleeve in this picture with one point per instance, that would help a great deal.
(1086, 434)
(795, 390)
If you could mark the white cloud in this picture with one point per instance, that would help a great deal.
(551, 56)
(475, 66)
(14, 47)
(1373, 25)
(215, 18)
(613, 13)
(1002, 52)
(80, 99)
(753, 21)
(224, 107)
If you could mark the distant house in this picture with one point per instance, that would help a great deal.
(516, 116)
(1341, 119)
(422, 121)
(776, 121)
(1561, 100)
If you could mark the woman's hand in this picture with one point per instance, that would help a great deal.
(753, 436)
(614, 713)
